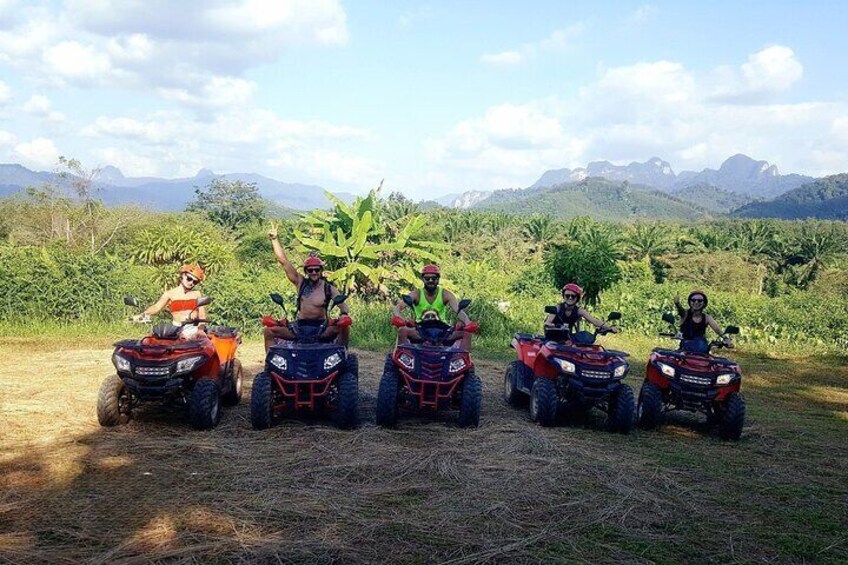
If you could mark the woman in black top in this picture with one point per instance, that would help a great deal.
(569, 313)
(694, 321)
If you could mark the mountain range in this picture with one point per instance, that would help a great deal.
(170, 194)
(739, 180)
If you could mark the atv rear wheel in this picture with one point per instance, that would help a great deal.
(387, 395)
(233, 396)
(732, 417)
(261, 402)
(346, 415)
(649, 411)
(472, 398)
(511, 394)
(622, 410)
(543, 402)
(204, 405)
(113, 402)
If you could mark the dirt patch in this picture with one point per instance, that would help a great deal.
(428, 491)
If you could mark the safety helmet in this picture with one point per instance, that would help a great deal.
(194, 270)
(697, 292)
(573, 288)
(313, 261)
(431, 270)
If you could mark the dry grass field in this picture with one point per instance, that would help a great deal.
(304, 492)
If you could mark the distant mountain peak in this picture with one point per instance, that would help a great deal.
(205, 174)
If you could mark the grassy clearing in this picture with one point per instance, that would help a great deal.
(426, 492)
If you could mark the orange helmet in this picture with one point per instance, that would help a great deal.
(194, 270)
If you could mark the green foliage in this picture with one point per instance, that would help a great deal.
(720, 269)
(170, 245)
(229, 203)
(825, 198)
(365, 254)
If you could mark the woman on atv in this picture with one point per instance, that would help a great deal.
(431, 303)
(569, 313)
(181, 301)
(314, 293)
(694, 321)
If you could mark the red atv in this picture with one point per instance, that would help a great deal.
(196, 375)
(692, 379)
(567, 373)
(307, 374)
(430, 374)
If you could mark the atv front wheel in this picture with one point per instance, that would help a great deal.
(353, 364)
(732, 417)
(233, 396)
(543, 402)
(511, 394)
(204, 404)
(622, 410)
(347, 406)
(113, 402)
(472, 398)
(387, 400)
(261, 402)
(649, 411)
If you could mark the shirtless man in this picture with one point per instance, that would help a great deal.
(314, 294)
(181, 301)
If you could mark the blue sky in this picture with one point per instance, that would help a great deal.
(434, 97)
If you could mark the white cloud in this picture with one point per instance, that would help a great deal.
(174, 144)
(7, 138)
(643, 13)
(559, 40)
(40, 152)
(37, 104)
(183, 50)
(5, 92)
(650, 108)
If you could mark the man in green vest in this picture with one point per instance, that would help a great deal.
(431, 302)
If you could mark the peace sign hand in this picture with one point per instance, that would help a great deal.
(272, 231)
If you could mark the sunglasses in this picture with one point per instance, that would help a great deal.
(431, 279)
(313, 270)
(569, 296)
(696, 300)
(190, 278)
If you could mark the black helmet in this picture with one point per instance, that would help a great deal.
(697, 292)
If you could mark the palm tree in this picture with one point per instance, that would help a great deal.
(539, 231)
(647, 241)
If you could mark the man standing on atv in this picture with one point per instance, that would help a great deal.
(181, 301)
(431, 303)
(694, 321)
(314, 293)
(569, 313)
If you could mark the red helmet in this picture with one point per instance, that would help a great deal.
(313, 261)
(431, 270)
(573, 288)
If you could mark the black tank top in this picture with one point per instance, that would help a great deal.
(572, 320)
(691, 329)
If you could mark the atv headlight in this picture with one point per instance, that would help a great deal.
(724, 379)
(457, 364)
(619, 371)
(121, 363)
(667, 370)
(187, 364)
(566, 366)
(331, 361)
(407, 361)
(279, 362)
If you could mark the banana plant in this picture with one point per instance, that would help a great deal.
(354, 242)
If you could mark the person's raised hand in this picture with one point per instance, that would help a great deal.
(272, 231)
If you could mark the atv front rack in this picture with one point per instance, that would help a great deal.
(303, 392)
(139, 345)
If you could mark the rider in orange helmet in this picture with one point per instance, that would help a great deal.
(569, 313)
(181, 300)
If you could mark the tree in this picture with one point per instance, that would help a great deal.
(229, 203)
(362, 255)
(539, 230)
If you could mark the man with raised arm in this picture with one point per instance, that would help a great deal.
(314, 293)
